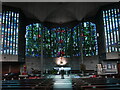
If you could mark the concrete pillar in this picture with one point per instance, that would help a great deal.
(101, 37)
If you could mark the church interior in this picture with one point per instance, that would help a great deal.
(60, 45)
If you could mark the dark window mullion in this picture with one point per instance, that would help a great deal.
(13, 32)
(8, 38)
(106, 30)
(16, 33)
(73, 42)
(60, 40)
(109, 30)
(2, 34)
(93, 39)
(39, 38)
(18, 21)
(90, 39)
(118, 17)
(82, 41)
(43, 41)
(50, 43)
(55, 42)
(32, 30)
(7, 31)
(3, 23)
(112, 30)
(4, 38)
(65, 41)
(10, 30)
(9, 13)
(43, 34)
(80, 35)
(67, 34)
(40, 32)
(115, 26)
(64, 45)
(80, 28)
(68, 40)
(12, 24)
(44, 46)
(118, 27)
(53, 50)
(96, 42)
(5, 51)
(77, 41)
(32, 39)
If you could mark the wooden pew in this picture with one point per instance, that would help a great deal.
(41, 84)
(91, 83)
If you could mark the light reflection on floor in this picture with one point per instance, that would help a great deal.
(65, 83)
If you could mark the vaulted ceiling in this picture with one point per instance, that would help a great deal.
(61, 10)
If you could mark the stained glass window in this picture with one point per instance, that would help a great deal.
(56, 41)
(76, 40)
(9, 31)
(33, 40)
(61, 41)
(89, 39)
(111, 20)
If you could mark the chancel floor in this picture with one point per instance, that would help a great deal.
(65, 83)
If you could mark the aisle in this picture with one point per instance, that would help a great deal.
(62, 84)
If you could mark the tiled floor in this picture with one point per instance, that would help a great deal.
(65, 83)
